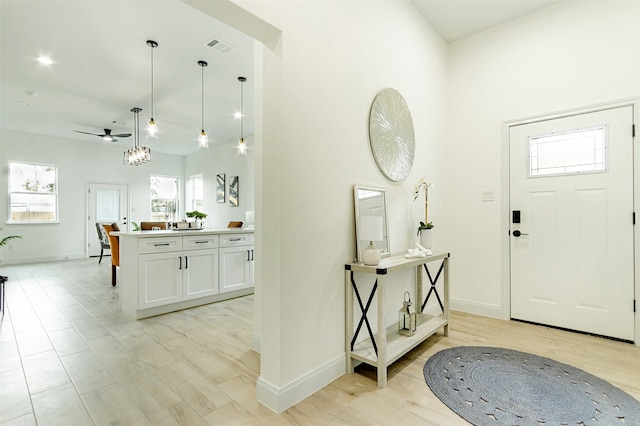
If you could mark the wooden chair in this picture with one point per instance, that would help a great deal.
(104, 240)
(114, 245)
(146, 226)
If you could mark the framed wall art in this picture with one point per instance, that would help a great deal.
(220, 190)
(234, 191)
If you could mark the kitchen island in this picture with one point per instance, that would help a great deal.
(169, 270)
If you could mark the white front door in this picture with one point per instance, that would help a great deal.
(572, 252)
(106, 203)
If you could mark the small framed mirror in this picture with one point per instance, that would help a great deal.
(370, 202)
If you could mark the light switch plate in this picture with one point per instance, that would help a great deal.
(487, 195)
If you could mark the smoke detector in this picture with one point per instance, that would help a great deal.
(220, 46)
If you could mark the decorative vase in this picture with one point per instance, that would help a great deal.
(426, 238)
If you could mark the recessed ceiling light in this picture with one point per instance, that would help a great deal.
(44, 60)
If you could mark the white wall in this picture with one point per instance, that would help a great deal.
(78, 164)
(321, 75)
(224, 159)
(568, 56)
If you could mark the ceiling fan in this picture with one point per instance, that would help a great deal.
(107, 136)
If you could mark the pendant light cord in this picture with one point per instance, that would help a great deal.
(202, 123)
(152, 47)
(242, 110)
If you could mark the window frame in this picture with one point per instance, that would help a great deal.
(55, 194)
(191, 192)
(176, 213)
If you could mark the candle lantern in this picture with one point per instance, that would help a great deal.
(406, 317)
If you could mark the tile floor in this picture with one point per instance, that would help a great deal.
(68, 355)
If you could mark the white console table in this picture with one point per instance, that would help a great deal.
(387, 345)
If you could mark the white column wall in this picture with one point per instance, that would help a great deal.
(78, 163)
(321, 76)
(568, 56)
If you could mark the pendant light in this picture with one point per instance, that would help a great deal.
(152, 127)
(203, 139)
(242, 146)
(138, 154)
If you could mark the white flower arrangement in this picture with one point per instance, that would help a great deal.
(424, 185)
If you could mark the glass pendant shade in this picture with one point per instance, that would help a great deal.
(242, 145)
(138, 154)
(152, 126)
(152, 129)
(203, 140)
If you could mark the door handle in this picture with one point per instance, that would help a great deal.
(180, 260)
(517, 233)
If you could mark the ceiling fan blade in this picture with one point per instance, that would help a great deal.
(122, 135)
(87, 133)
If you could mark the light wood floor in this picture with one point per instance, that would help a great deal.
(69, 357)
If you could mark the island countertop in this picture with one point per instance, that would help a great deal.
(182, 232)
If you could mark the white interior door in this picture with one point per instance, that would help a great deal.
(572, 252)
(106, 203)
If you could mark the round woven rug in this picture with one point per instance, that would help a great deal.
(495, 386)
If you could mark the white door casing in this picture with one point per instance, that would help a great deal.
(106, 203)
(575, 268)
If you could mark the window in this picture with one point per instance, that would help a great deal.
(576, 151)
(164, 198)
(195, 193)
(33, 193)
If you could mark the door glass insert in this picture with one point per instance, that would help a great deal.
(571, 152)
(107, 205)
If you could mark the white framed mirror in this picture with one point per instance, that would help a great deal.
(370, 201)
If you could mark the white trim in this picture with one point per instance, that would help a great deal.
(279, 399)
(39, 259)
(634, 102)
(475, 308)
(255, 342)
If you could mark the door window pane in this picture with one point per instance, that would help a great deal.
(108, 205)
(572, 152)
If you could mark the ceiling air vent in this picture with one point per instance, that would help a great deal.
(220, 46)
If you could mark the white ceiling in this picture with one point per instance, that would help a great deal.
(102, 66)
(102, 69)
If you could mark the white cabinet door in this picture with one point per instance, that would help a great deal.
(200, 273)
(159, 279)
(236, 268)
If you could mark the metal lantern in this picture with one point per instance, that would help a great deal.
(406, 317)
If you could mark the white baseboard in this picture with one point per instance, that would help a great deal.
(255, 342)
(279, 399)
(483, 309)
(40, 259)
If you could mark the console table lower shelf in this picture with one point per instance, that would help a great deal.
(386, 346)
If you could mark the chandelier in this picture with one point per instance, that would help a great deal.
(138, 154)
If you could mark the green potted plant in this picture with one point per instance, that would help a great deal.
(198, 216)
(424, 226)
(4, 241)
